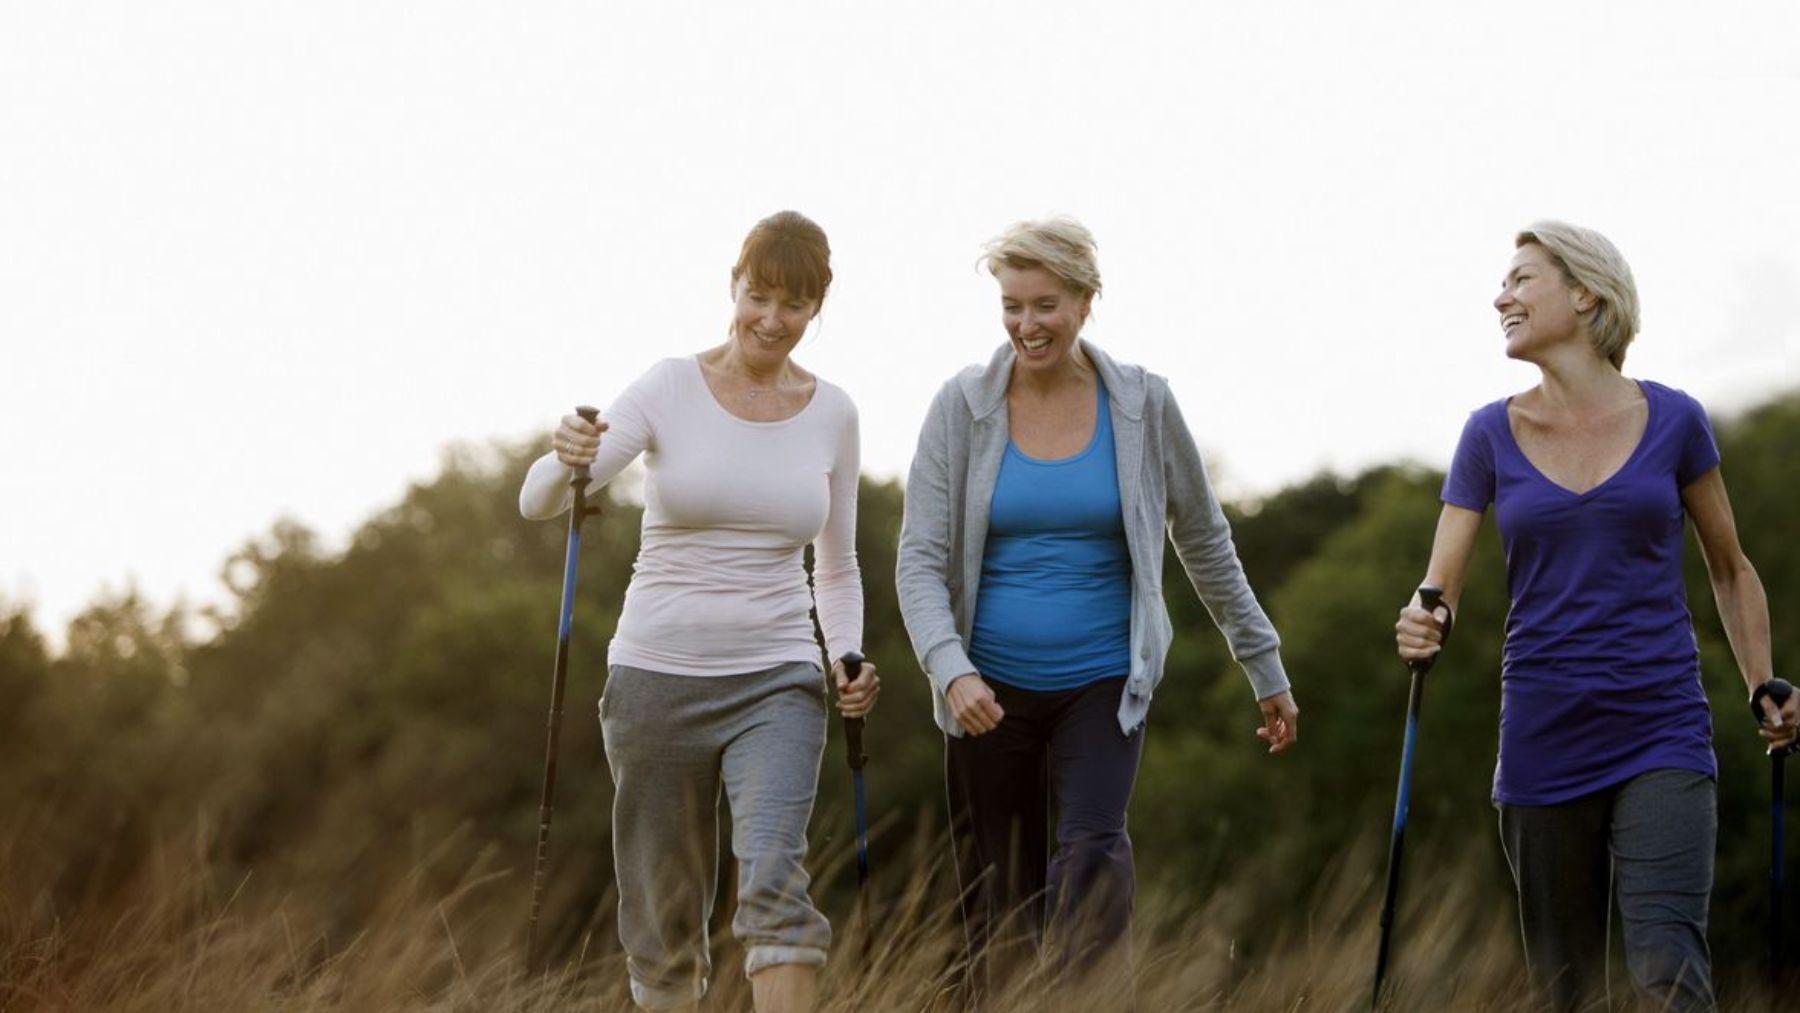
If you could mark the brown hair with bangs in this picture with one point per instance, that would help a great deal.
(786, 250)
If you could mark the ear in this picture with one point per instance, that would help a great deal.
(1582, 299)
(1087, 304)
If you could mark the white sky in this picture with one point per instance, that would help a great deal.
(265, 259)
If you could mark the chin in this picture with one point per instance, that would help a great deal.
(754, 350)
(1050, 357)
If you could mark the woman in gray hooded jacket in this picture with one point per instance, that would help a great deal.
(1030, 580)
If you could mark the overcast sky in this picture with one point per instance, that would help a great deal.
(267, 259)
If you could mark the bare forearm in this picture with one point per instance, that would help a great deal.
(1744, 609)
(1451, 548)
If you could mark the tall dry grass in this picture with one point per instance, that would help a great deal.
(179, 936)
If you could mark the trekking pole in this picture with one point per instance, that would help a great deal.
(1430, 599)
(853, 752)
(578, 512)
(1777, 691)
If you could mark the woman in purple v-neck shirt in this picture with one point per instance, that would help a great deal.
(1606, 770)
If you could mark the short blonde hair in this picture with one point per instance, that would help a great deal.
(1062, 246)
(1589, 259)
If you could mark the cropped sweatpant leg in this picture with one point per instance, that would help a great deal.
(672, 743)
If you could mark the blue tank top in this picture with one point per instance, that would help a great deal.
(1054, 608)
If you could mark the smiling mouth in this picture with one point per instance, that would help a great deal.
(1511, 320)
(768, 339)
(1035, 344)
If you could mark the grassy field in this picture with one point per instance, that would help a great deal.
(177, 936)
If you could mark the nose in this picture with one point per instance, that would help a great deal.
(1503, 300)
(1025, 322)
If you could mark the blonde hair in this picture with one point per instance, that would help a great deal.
(1589, 259)
(1062, 246)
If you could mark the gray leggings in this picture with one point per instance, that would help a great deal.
(1650, 839)
(671, 742)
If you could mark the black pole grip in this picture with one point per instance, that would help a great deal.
(589, 414)
(1431, 598)
(853, 727)
(1777, 691)
(578, 477)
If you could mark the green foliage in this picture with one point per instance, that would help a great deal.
(24, 675)
(358, 715)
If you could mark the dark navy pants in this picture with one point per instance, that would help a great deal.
(1055, 754)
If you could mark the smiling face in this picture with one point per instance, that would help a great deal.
(1041, 315)
(1539, 308)
(767, 322)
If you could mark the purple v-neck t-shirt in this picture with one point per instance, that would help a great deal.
(1600, 680)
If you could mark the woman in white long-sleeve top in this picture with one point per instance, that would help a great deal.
(1030, 580)
(713, 674)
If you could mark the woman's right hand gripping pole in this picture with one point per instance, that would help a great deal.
(577, 441)
(1419, 634)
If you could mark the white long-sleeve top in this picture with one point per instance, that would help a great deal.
(719, 586)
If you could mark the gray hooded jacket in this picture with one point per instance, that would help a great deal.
(1161, 481)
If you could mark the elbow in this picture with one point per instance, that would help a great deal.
(541, 496)
(905, 591)
(904, 567)
(538, 508)
(909, 559)
(915, 592)
(1212, 559)
(916, 576)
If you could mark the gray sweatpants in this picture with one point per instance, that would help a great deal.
(672, 741)
(1650, 839)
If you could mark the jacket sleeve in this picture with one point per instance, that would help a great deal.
(1202, 538)
(923, 570)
